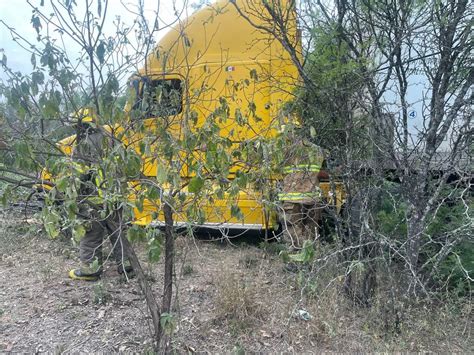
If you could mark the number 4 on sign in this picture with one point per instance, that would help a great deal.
(412, 113)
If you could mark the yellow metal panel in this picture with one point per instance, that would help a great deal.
(215, 51)
(217, 212)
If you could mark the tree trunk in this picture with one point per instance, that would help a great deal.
(415, 231)
(169, 262)
(147, 292)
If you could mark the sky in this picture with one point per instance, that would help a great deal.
(18, 13)
(18, 16)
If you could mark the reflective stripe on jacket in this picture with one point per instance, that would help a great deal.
(300, 182)
(298, 196)
(301, 168)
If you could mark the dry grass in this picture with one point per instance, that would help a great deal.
(391, 323)
(237, 300)
(229, 299)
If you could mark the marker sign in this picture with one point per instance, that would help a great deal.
(412, 114)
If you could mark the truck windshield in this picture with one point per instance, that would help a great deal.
(158, 98)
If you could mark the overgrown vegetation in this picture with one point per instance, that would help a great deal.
(395, 262)
(362, 63)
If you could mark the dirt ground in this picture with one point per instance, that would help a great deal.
(230, 298)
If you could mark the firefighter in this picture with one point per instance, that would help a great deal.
(300, 196)
(101, 222)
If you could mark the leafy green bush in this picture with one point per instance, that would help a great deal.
(457, 269)
(447, 256)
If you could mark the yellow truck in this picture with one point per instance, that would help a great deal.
(217, 54)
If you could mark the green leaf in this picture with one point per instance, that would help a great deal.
(252, 107)
(51, 108)
(95, 266)
(154, 249)
(132, 165)
(51, 223)
(78, 232)
(241, 179)
(142, 147)
(186, 41)
(167, 322)
(69, 3)
(6, 195)
(113, 86)
(37, 77)
(161, 174)
(305, 255)
(33, 60)
(62, 183)
(196, 214)
(99, 8)
(284, 256)
(71, 206)
(239, 118)
(253, 74)
(153, 193)
(35, 21)
(195, 184)
(100, 52)
(135, 233)
(238, 350)
(25, 88)
(139, 204)
(236, 212)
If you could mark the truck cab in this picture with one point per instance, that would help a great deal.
(218, 60)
